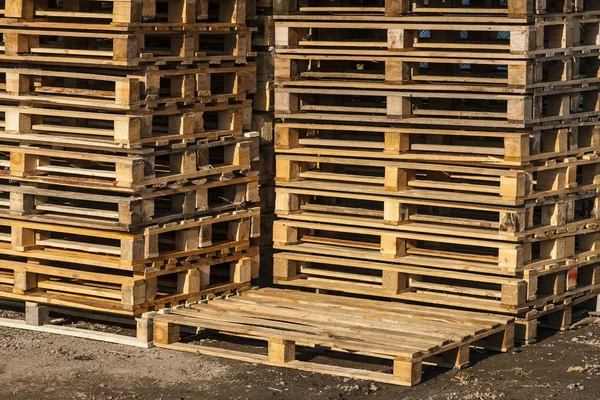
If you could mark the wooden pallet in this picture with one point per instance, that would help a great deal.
(484, 146)
(462, 109)
(409, 336)
(464, 183)
(343, 77)
(434, 225)
(106, 49)
(456, 245)
(551, 37)
(125, 14)
(123, 90)
(128, 171)
(432, 10)
(572, 214)
(213, 270)
(126, 212)
(464, 284)
(91, 209)
(157, 247)
(474, 74)
(124, 129)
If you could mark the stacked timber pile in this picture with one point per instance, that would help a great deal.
(441, 153)
(129, 179)
(260, 16)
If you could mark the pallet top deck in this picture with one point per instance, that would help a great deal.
(407, 334)
(397, 329)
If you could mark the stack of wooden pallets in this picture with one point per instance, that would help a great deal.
(260, 17)
(441, 153)
(129, 180)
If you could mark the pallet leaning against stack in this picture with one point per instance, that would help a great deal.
(130, 179)
(440, 153)
(260, 17)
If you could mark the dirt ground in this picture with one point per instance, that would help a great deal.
(45, 366)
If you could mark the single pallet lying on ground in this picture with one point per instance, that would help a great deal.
(400, 336)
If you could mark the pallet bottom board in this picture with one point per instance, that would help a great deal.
(403, 336)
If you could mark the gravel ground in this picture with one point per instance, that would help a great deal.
(45, 366)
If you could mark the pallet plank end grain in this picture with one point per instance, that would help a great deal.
(288, 322)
